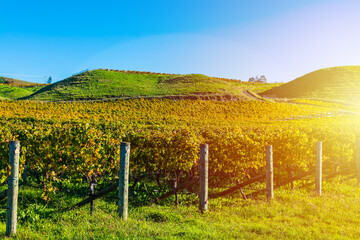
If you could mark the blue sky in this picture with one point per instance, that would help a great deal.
(236, 39)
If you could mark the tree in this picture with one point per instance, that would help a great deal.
(49, 81)
(262, 79)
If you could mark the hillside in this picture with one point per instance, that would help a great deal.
(336, 83)
(11, 88)
(102, 84)
(13, 81)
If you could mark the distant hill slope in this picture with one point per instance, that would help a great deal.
(11, 88)
(102, 84)
(336, 83)
(13, 81)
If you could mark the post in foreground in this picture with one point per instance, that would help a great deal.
(13, 188)
(204, 156)
(124, 180)
(318, 177)
(269, 173)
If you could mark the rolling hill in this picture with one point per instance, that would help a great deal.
(103, 84)
(11, 88)
(13, 81)
(336, 83)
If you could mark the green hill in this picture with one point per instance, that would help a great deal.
(102, 84)
(11, 88)
(12, 92)
(336, 83)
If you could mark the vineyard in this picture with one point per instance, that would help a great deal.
(70, 142)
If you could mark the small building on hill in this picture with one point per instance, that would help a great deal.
(261, 79)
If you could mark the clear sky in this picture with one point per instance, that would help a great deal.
(281, 39)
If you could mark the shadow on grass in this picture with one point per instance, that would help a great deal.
(32, 208)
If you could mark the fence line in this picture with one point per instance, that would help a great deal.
(86, 70)
(122, 185)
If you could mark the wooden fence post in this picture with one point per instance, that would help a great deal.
(269, 173)
(318, 177)
(92, 193)
(174, 187)
(358, 160)
(124, 180)
(204, 159)
(25, 174)
(13, 187)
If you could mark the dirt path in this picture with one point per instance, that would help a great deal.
(249, 94)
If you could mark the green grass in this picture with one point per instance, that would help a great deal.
(337, 83)
(11, 88)
(100, 84)
(14, 92)
(258, 88)
(291, 215)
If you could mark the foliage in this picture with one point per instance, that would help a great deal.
(69, 142)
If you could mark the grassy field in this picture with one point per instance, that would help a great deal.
(100, 84)
(11, 88)
(291, 215)
(14, 92)
(337, 83)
